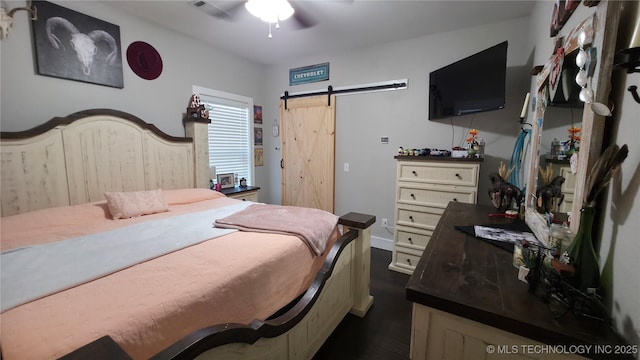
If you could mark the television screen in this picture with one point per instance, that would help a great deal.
(473, 84)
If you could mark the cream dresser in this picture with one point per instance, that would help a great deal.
(424, 187)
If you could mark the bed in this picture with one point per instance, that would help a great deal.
(223, 294)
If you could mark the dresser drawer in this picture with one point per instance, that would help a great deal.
(567, 203)
(420, 216)
(412, 238)
(569, 185)
(406, 260)
(246, 196)
(453, 174)
(439, 197)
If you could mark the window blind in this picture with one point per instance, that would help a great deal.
(230, 146)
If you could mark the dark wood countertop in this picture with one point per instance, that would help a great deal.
(437, 158)
(471, 278)
(239, 190)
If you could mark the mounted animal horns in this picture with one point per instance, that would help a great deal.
(6, 18)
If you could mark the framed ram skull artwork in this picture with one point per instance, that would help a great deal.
(75, 46)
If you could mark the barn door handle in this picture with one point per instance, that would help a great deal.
(281, 163)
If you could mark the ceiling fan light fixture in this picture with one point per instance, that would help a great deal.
(271, 11)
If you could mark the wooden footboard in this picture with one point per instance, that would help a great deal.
(341, 286)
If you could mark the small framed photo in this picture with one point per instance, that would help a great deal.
(258, 157)
(225, 180)
(257, 136)
(257, 114)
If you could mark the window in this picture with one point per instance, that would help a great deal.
(230, 132)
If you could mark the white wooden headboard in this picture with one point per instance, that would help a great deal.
(75, 159)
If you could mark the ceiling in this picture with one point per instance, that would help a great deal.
(341, 25)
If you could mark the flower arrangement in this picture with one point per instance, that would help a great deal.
(574, 138)
(473, 139)
(604, 169)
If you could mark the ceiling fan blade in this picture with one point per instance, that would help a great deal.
(226, 10)
(302, 18)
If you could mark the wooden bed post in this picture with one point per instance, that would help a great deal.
(197, 129)
(362, 299)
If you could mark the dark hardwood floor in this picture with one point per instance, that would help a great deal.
(384, 333)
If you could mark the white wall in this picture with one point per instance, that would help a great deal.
(28, 99)
(618, 225)
(619, 245)
(361, 119)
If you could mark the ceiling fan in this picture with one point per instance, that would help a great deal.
(231, 10)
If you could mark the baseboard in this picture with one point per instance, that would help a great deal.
(381, 243)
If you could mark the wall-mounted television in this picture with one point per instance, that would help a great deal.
(473, 84)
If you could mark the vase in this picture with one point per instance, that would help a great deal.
(582, 255)
(471, 152)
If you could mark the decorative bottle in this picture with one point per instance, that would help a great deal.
(582, 254)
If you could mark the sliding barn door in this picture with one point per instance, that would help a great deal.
(308, 152)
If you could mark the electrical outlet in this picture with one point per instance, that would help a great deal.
(385, 223)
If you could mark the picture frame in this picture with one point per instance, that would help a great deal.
(258, 157)
(562, 11)
(98, 60)
(226, 180)
(257, 114)
(257, 136)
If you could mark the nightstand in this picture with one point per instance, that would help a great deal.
(249, 193)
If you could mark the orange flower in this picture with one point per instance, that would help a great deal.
(473, 135)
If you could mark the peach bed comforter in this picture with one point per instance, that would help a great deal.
(235, 278)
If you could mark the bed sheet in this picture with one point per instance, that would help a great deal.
(235, 278)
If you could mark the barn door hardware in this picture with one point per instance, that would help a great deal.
(634, 92)
(389, 85)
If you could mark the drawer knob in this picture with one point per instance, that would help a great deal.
(455, 199)
(413, 196)
(409, 262)
(414, 173)
(411, 218)
(410, 241)
(458, 176)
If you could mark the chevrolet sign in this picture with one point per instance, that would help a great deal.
(309, 74)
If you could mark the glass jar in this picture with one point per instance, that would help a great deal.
(517, 255)
(560, 236)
